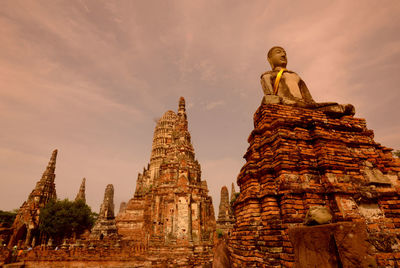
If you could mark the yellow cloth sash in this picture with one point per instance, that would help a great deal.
(278, 79)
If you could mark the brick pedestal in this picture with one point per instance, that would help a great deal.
(299, 158)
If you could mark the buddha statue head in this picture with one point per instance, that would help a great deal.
(277, 57)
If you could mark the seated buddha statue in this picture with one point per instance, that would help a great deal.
(282, 86)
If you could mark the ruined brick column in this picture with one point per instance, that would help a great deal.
(105, 227)
(299, 158)
(122, 207)
(225, 219)
(233, 192)
(26, 223)
(81, 194)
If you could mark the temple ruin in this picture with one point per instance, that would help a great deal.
(171, 212)
(316, 189)
(26, 224)
(81, 195)
(225, 218)
(104, 227)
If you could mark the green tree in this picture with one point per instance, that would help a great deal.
(7, 218)
(59, 219)
(397, 153)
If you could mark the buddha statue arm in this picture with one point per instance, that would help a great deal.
(266, 83)
(305, 92)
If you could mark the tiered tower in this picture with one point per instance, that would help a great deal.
(161, 138)
(225, 218)
(171, 208)
(26, 223)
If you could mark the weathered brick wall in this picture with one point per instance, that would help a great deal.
(299, 158)
(109, 256)
(5, 255)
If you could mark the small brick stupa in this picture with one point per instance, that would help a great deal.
(104, 227)
(302, 158)
(26, 223)
(225, 218)
(81, 195)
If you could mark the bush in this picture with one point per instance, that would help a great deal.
(220, 234)
(60, 219)
(7, 218)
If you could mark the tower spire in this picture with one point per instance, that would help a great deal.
(28, 215)
(182, 107)
(233, 191)
(81, 194)
(51, 166)
(45, 186)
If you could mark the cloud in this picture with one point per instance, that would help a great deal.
(219, 172)
(89, 77)
(212, 105)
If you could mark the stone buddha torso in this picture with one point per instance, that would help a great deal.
(291, 88)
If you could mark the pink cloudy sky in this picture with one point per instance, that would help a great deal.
(91, 77)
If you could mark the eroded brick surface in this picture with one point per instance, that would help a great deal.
(298, 158)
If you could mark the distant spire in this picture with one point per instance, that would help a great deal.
(51, 167)
(182, 108)
(122, 207)
(233, 191)
(81, 194)
(107, 207)
(223, 213)
(45, 187)
(182, 103)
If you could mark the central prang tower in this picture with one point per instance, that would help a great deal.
(171, 212)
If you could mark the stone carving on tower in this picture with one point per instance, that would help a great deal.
(171, 206)
(26, 223)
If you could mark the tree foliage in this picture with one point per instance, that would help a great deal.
(7, 218)
(397, 153)
(59, 219)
